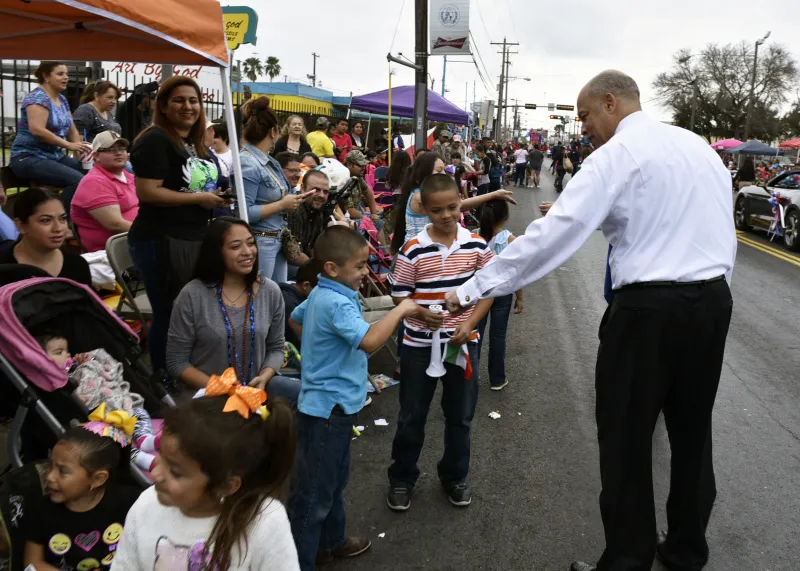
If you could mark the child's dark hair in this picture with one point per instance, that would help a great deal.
(493, 213)
(437, 183)
(401, 161)
(97, 452)
(308, 271)
(225, 444)
(421, 169)
(455, 156)
(221, 132)
(314, 157)
(338, 244)
(44, 337)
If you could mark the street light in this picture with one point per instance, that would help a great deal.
(753, 87)
(693, 83)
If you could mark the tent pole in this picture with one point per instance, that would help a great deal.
(366, 137)
(234, 141)
(390, 150)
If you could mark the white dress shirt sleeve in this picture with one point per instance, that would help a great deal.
(550, 241)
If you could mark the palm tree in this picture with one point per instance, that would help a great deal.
(272, 67)
(252, 68)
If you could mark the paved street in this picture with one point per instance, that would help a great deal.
(534, 471)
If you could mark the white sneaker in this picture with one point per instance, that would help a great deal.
(499, 387)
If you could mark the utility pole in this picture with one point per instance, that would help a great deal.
(444, 75)
(313, 76)
(503, 87)
(753, 88)
(516, 119)
(421, 75)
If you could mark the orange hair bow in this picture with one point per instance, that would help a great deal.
(243, 400)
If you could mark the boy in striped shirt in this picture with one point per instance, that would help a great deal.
(439, 259)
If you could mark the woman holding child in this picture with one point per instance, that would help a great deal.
(229, 316)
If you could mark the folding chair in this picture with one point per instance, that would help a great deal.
(133, 303)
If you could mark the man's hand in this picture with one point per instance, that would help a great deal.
(3, 197)
(461, 334)
(433, 321)
(506, 195)
(545, 207)
(453, 305)
(518, 304)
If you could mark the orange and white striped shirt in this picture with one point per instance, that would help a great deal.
(426, 270)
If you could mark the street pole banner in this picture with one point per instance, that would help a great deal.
(449, 22)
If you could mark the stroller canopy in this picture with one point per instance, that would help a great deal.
(62, 305)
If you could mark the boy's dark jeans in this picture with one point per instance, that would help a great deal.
(459, 397)
(317, 506)
(500, 311)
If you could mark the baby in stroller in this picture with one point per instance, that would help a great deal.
(80, 520)
(98, 379)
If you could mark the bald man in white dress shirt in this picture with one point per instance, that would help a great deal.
(663, 200)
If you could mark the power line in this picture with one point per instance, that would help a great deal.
(480, 14)
(511, 16)
(480, 57)
(397, 26)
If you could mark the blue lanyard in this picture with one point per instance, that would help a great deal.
(233, 350)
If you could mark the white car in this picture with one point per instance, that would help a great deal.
(756, 206)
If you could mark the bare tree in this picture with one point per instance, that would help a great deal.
(721, 75)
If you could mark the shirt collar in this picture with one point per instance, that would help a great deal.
(107, 174)
(328, 283)
(425, 239)
(631, 119)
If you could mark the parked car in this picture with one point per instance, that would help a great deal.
(754, 206)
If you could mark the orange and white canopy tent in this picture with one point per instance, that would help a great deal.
(185, 32)
(152, 31)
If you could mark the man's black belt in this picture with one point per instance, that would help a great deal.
(640, 285)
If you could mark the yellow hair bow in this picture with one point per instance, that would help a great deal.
(243, 400)
(117, 418)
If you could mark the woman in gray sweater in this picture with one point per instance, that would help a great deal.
(229, 316)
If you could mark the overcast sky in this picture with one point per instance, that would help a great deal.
(560, 49)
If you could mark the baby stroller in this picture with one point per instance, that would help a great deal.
(31, 382)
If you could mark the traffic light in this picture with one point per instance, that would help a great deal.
(565, 107)
(530, 106)
(556, 117)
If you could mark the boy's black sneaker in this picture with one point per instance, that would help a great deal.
(399, 498)
(459, 494)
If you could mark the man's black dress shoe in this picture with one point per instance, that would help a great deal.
(581, 566)
(661, 538)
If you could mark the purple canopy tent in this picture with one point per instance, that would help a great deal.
(439, 108)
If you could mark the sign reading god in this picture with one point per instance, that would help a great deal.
(241, 23)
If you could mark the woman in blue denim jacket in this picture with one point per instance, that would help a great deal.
(265, 187)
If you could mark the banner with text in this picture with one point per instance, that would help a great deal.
(449, 21)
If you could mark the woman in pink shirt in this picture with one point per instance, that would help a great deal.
(105, 202)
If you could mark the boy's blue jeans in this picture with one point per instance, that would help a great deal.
(317, 506)
(501, 309)
(459, 397)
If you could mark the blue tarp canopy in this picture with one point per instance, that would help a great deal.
(753, 147)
